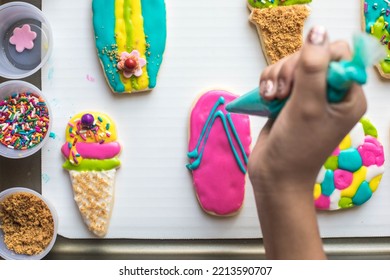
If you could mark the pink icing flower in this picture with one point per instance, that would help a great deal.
(342, 179)
(23, 38)
(131, 64)
(371, 152)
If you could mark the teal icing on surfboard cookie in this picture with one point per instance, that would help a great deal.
(130, 37)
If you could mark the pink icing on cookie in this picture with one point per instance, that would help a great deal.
(371, 152)
(323, 202)
(219, 181)
(94, 150)
(342, 179)
(336, 152)
(23, 38)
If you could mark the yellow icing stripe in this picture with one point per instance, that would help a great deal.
(358, 178)
(374, 183)
(317, 191)
(128, 27)
(346, 143)
(138, 39)
(121, 37)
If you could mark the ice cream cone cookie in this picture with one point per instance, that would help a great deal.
(375, 21)
(92, 150)
(279, 24)
(130, 40)
(219, 144)
(353, 172)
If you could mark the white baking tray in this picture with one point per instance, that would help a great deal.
(210, 44)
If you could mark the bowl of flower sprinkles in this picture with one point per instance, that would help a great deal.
(24, 119)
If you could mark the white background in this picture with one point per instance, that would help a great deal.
(280, 270)
(210, 44)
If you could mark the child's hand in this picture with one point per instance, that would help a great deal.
(290, 151)
(308, 129)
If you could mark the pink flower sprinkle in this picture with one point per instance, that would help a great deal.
(134, 57)
(23, 38)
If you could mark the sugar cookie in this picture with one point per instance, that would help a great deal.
(91, 151)
(130, 40)
(375, 21)
(219, 144)
(353, 172)
(279, 25)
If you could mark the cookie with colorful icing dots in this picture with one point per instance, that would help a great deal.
(130, 38)
(279, 24)
(219, 145)
(353, 172)
(91, 151)
(375, 21)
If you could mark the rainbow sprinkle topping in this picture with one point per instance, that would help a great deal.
(24, 120)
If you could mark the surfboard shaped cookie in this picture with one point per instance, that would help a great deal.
(375, 21)
(130, 38)
(279, 25)
(218, 151)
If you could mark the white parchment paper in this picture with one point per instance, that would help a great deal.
(210, 44)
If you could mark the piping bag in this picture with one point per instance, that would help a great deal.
(367, 51)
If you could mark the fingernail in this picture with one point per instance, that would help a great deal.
(281, 86)
(269, 86)
(317, 35)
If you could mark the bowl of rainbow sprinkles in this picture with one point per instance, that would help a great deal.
(24, 119)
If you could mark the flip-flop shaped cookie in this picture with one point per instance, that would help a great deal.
(279, 26)
(130, 38)
(375, 21)
(219, 146)
(353, 172)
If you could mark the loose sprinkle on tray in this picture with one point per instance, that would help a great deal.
(24, 120)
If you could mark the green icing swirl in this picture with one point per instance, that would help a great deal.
(93, 164)
(273, 3)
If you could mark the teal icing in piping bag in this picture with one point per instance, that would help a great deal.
(341, 75)
(197, 152)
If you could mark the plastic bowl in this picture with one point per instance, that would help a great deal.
(7, 254)
(8, 89)
(18, 65)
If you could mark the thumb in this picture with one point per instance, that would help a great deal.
(312, 67)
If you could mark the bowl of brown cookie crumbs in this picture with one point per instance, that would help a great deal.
(28, 225)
